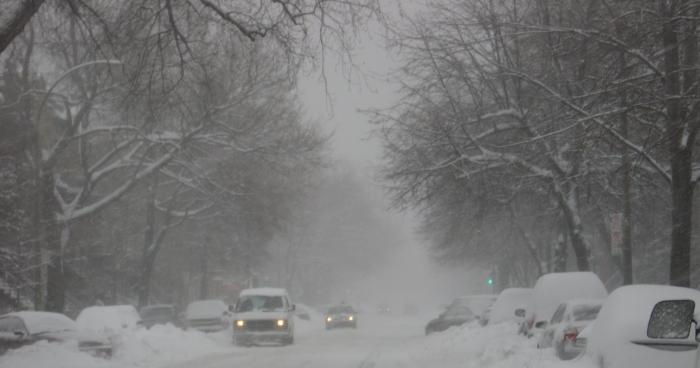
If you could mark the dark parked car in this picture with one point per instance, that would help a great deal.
(25, 328)
(455, 315)
(341, 316)
(158, 314)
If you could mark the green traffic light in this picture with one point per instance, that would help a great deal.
(489, 281)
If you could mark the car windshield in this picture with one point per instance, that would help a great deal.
(585, 312)
(341, 310)
(458, 312)
(263, 303)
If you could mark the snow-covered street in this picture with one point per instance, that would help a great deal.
(380, 341)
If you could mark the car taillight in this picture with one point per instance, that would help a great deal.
(570, 334)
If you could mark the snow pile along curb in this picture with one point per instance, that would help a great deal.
(156, 347)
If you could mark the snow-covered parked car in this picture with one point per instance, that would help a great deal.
(567, 322)
(478, 304)
(553, 289)
(510, 305)
(646, 326)
(454, 315)
(24, 328)
(111, 319)
(158, 314)
(263, 315)
(207, 315)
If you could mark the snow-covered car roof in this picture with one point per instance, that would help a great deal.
(553, 289)
(508, 301)
(40, 322)
(205, 309)
(111, 317)
(264, 291)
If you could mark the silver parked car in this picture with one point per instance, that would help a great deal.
(568, 321)
(207, 315)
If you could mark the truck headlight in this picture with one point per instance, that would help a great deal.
(351, 318)
(280, 323)
(328, 319)
(240, 323)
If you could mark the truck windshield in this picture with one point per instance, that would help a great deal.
(262, 303)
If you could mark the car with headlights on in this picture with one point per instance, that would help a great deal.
(19, 329)
(341, 316)
(263, 315)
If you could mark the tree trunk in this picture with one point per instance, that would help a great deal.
(582, 250)
(627, 274)
(561, 255)
(681, 137)
(681, 217)
(144, 287)
(53, 250)
(204, 286)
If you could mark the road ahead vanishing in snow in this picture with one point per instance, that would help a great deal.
(316, 347)
(391, 341)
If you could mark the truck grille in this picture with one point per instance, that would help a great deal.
(261, 325)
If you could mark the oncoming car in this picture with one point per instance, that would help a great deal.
(341, 316)
(263, 315)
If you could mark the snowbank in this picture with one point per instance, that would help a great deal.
(44, 354)
(160, 346)
(473, 346)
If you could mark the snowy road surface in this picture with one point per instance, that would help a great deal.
(380, 341)
(392, 341)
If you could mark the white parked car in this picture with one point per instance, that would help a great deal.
(510, 305)
(112, 319)
(263, 315)
(25, 328)
(646, 326)
(207, 315)
(567, 322)
(553, 289)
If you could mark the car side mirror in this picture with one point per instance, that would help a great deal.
(294, 307)
(671, 319)
(230, 308)
(19, 334)
(520, 312)
(541, 324)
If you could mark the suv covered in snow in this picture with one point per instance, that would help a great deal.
(263, 315)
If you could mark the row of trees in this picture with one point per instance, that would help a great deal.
(124, 124)
(525, 125)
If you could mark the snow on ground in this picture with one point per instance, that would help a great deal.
(379, 342)
(156, 347)
(496, 346)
